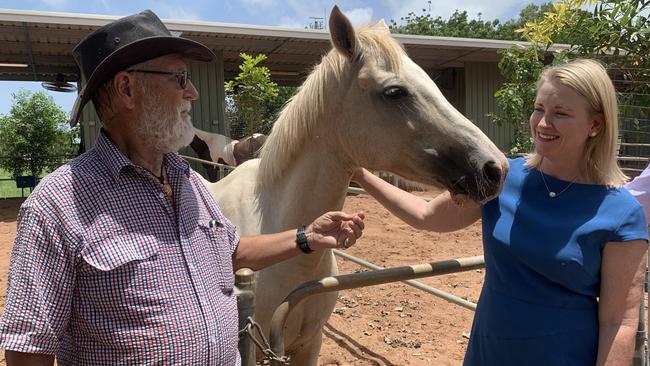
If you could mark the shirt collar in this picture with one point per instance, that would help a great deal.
(113, 158)
(116, 161)
(175, 162)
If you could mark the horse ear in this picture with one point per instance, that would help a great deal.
(381, 24)
(342, 33)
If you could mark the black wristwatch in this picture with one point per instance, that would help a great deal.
(301, 240)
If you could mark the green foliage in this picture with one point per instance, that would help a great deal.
(274, 105)
(251, 93)
(616, 31)
(35, 135)
(616, 26)
(520, 68)
(459, 24)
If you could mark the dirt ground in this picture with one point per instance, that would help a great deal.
(393, 324)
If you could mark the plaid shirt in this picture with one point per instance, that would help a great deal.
(104, 271)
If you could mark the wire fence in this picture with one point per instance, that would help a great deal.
(11, 187)
(632, 83)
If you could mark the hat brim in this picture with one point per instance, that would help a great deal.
(134, 53)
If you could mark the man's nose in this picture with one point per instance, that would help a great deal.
(190, 91)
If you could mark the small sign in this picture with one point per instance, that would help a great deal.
(25, 181)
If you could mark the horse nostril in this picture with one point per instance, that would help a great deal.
(492, 172)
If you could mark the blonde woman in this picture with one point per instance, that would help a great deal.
(564, 244)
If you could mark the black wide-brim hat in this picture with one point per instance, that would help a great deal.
(123, 43)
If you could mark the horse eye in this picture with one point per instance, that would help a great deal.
(395, 92)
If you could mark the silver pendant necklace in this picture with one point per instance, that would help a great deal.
(554, 194)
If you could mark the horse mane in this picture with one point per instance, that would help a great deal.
(302, 113)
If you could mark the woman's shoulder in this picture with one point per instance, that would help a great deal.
(517, 167)
(621, 196)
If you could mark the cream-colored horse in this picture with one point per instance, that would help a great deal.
(366, 104)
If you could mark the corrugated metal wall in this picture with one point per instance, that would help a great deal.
(207, 111)
(482, 79)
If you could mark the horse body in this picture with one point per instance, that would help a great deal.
(224, 150)
(297, 198)
(367, 104)
(219, 147)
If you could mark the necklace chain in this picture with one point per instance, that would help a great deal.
(167, 189)
(161, 177)
(553, 194)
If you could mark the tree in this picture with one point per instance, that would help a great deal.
(459, 24)
(35, 136)
(616, 31)
(515, 98)
(251, 92)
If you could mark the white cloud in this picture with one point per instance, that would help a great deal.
(166, 11)
(360, 16)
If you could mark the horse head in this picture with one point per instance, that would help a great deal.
(383, 98)
(248, 147)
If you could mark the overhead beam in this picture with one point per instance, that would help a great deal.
(30, 54)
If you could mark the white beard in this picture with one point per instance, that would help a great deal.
(164, 127)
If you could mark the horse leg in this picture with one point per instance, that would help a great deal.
(307, 354)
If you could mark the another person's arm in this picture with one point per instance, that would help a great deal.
(14, 358)
(622, 276)
(441, 214)
(640, 189)
(331, 230)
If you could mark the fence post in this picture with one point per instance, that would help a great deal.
(639, 358)
(245, 282)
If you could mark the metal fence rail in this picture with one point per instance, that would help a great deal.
(354, 280)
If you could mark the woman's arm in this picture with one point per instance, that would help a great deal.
(622, 273)
(441, 214)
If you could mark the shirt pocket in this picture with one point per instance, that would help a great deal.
(123, 290)
(218, 245)
(126, 263)
(112, 251)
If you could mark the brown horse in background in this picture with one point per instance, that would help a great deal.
(224, 150)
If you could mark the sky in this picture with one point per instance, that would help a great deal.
(281, 13)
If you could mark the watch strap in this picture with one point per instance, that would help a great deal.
(301, 240)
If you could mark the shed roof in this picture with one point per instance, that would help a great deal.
(44, 40)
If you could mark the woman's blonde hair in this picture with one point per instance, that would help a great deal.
(589, 79)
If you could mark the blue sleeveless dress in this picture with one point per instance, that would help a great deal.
(538, 305)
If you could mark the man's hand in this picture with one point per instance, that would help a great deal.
(335, 229)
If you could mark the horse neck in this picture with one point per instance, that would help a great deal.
(315, 183)
(228, 153)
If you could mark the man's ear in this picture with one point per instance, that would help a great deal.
(123, 85)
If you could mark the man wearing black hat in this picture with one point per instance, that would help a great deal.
(121, 256)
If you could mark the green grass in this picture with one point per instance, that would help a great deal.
(8, 187)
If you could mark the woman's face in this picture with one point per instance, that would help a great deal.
(561, 123)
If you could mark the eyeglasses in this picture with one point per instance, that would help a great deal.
(182, 76)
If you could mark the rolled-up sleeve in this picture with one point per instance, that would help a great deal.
(40, 285)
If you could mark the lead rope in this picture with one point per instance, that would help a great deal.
(263, 344)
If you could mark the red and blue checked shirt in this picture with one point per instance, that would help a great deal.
(105, 272)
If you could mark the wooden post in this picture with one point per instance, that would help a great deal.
(245, 282)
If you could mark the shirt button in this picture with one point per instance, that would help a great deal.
(191, 266)
(213, 339)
